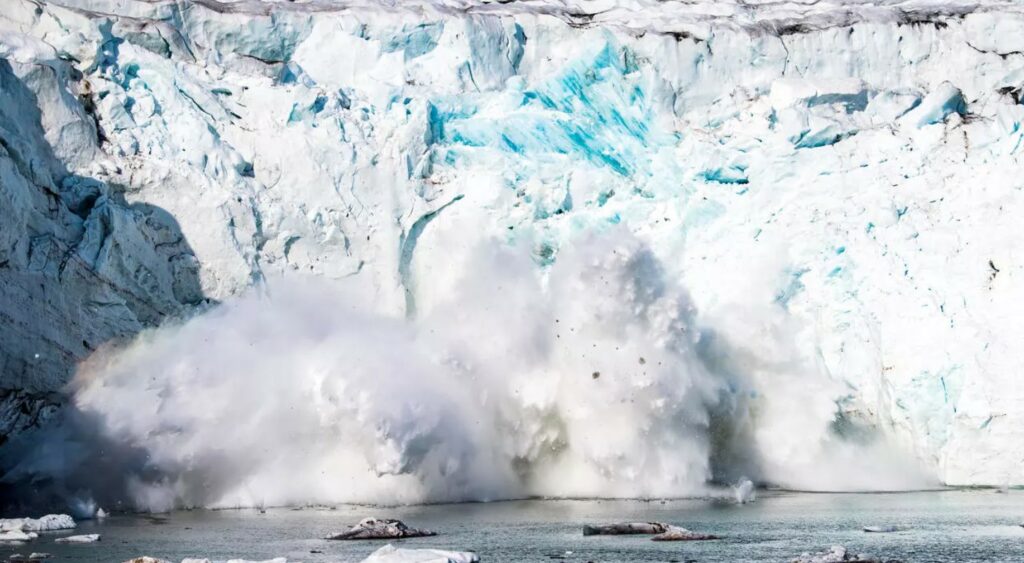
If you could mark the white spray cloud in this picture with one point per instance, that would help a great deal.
(588, 379)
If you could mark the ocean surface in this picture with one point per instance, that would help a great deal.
(956, 525)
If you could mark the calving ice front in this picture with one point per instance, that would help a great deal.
(589, 381)
(332, 252)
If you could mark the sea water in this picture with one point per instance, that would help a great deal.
(954, 525)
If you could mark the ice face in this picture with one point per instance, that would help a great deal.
(805, 214)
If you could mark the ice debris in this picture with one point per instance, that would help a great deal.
(624, 528)
(675, 533)
(838, 554)
(44, 524)
(83, 538)
(392, 554)
(148, 559)
(883, 529)
(380, 529)
(17, 536)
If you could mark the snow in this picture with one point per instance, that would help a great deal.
(812, 204)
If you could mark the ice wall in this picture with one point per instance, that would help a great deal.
(832, 187)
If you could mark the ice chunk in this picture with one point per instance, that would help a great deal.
(946, 99)
(17, 536)
(623, 528)
(44, 524)
(836, 554)
(147, 559)
(883, 529)
(84, 538)
(392, 554)
(378, 529)
(675, 533)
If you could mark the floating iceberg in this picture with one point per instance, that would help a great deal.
(377, 529)
(44, 524)
(83, 538)
(392, 554)
(675, 533)
(626, 528)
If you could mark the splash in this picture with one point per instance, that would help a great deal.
(587, 378)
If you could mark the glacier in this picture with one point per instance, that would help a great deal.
(347, 251)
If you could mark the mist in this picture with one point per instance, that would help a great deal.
(592, 377)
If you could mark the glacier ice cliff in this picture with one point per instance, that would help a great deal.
(614, 248)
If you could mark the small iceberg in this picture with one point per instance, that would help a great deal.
(380, 529)
(204, 560)
(625, 528)
(675, 533)
(17, 536)
(883, 529)
(84, 538)
(837, 554)
(392, 554)
(191, 560)
(47, 523)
